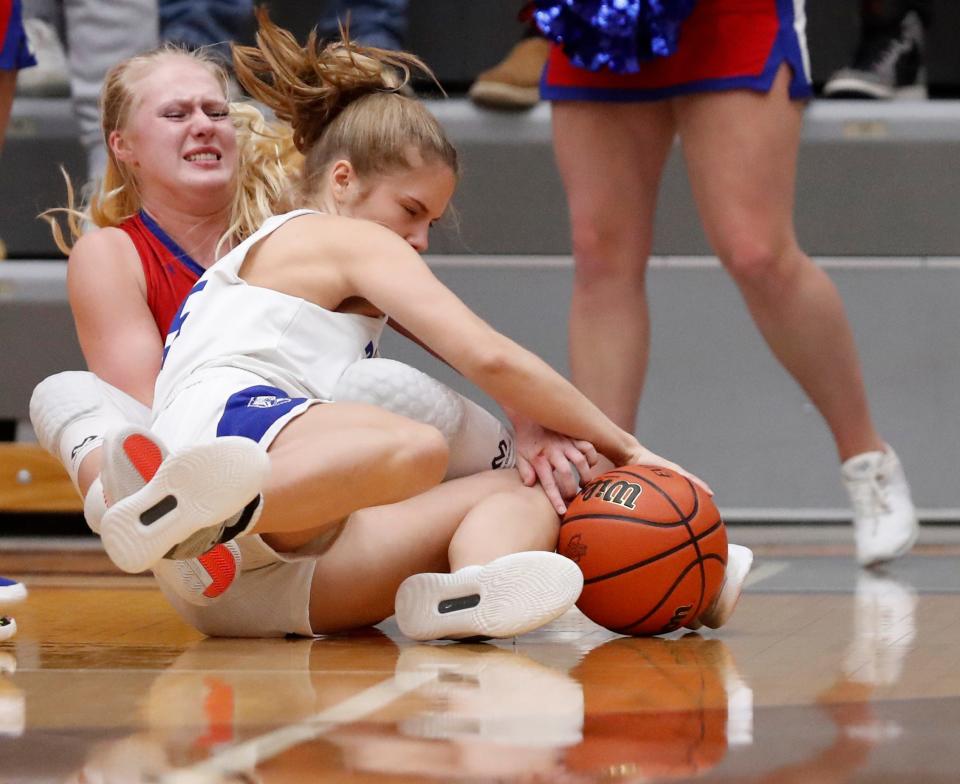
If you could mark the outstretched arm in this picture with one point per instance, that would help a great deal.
(544, 456)
(384, 270)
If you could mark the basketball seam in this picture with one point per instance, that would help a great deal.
(666, 595)
(684, 573)
(696, 546)
(695, 567)
(639, 564)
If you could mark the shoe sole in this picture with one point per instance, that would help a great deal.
(857, 89)
(202, 580)
(504, 96)
(509, 596)
(719, 615)
(191, 490)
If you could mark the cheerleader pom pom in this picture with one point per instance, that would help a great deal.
(619, 35)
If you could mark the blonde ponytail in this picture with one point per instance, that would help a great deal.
(341, 99)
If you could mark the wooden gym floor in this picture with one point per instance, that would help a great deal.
(827, 673)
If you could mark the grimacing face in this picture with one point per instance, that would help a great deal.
(407, 201)
(180, 141)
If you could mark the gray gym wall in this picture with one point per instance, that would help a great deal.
(875, 206)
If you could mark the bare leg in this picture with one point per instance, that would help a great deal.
(462, 522)
(89, 470)
(611, 157)
(340, 457)
(8, 86)
(741, 151)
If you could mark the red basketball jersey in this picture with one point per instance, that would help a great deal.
(169, 270)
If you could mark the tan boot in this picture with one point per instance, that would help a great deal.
(514, 83)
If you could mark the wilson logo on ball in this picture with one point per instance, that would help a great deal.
(618, 492)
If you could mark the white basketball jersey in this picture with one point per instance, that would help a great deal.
(290, 342)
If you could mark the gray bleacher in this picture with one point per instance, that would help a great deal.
(875, 205)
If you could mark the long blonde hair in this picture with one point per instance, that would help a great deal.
(341, 100)
(266, 158)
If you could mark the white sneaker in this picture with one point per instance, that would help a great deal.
(181, 505)
(204, 579)
(490, 694)
(50, 77)
(8, 628)
(884, 520)
(511, 595)
(11, 591)
(739, 561)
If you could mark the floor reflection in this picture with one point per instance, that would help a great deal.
(481, 711)
(655, 708)
(826, 687)
(13, 702)
(884, 628)
(629, 709)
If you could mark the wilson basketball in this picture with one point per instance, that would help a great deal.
(651, 546)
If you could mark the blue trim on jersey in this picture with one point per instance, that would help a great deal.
(15, 52)
(179, 253)
(252, 411)
(790, 51)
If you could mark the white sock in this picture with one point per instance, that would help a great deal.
(482, 442)
(71, 411)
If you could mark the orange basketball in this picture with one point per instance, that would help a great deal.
(651, 546)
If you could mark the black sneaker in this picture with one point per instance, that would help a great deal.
(888, 64)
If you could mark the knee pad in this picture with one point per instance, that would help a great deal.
(71, 411)
(478, 441)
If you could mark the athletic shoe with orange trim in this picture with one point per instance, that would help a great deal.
(177, 506)
(204, 579)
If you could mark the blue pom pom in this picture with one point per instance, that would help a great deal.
(615, 34)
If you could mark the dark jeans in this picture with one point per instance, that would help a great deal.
(381, 23)
(197, 23)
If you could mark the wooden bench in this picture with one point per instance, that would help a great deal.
(32, 480)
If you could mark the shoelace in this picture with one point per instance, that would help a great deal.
(910, 35)
(868, 496)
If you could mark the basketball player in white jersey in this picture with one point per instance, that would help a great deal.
(260, 343)
(164, 213)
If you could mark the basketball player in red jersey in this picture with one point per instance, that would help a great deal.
(733, 92)
(185, 181)
(259, 349)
